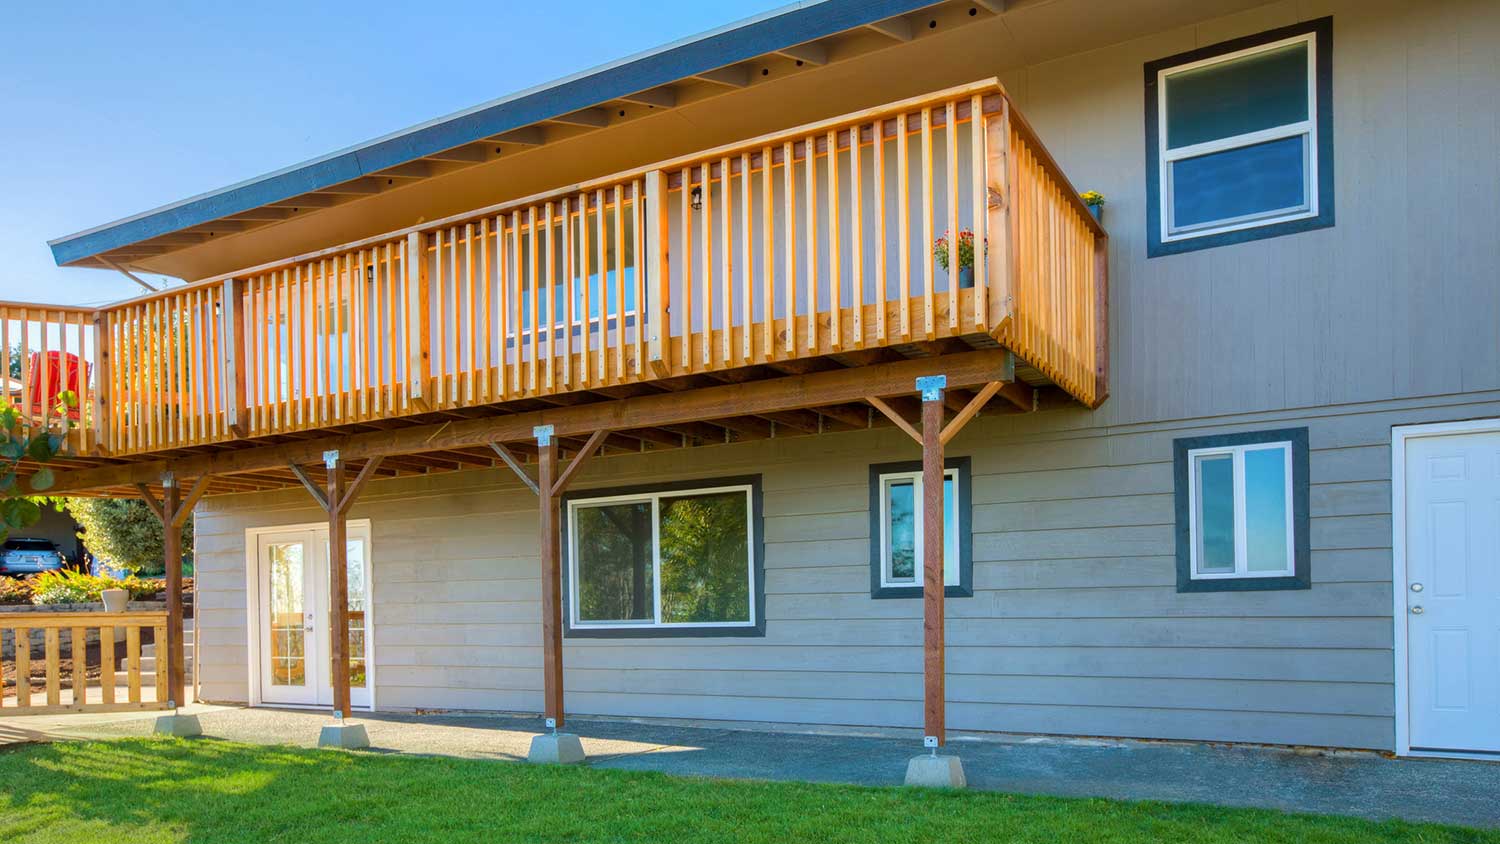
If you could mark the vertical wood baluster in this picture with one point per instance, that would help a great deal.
(568, 270)
(642, 307)
(79, 654)
(877, 167)
(707, 267)
(620, 282)
(979, 177)
(835, 247)
(789, 216)
(812, 244)
(950, 133)
(54, 667)
(929, 298)
(857, 235)
(107, 664)
(768, 258)
(686, 262)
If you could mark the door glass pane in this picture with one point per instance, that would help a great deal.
(1266, 510)
(901, 558)
(288, 602)
(1215, 513)
(705, 558)
(1259, 179)
(357, 606)
(950, 533)
(1260, 91)
(615, 580)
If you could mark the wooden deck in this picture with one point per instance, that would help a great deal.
(806, 245)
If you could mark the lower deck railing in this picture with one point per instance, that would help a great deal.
(89, 661)
(828, 238)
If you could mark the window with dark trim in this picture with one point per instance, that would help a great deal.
(1242, 511)
(896, 530)
(1239, 140)
(680, 559)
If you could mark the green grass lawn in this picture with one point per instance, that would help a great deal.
(149, 790)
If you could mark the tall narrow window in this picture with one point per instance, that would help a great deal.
(1239, 144)
(896, 530)
(1242, 511)
(665, 561)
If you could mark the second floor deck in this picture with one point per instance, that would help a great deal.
(826, 240)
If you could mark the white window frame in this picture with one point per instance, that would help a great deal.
(1241, 539)
(886, 480)
(1308, 128)
(654, 498)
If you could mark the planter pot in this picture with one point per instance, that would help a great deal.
(965, 277)
(114, 599)
(1097, 211)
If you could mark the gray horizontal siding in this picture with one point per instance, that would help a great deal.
(1075, 626)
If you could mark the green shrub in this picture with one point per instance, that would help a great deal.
(71, 587)
(14, 590)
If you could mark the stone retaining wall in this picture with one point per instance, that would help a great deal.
(14, 615)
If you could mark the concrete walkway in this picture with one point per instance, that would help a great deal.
(1360, 784)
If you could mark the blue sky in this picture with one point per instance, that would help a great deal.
(108, 109)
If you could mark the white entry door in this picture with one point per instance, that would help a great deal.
(1452, 591)
(295, 650)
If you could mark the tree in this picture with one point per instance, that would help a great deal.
(125, 532)
(22, 439)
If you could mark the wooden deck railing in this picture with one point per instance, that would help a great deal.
(73, 691)
(813, 241)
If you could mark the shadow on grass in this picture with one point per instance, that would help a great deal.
(147, 790)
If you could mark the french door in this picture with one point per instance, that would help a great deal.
(295, 641)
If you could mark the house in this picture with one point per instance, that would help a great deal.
(645, 393)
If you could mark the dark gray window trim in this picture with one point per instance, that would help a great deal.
(1302, 565)
(757, 550)
(1323, 28)
(965, 587)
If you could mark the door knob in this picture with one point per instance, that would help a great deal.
(1416, 587)
(1417, 610)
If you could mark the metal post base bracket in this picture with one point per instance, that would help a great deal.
(936, 772)
(178, 726)
(556, 749)
(344, 736)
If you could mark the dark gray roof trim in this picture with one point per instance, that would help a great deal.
(737, 42)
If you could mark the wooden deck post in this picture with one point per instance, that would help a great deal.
(172, 553)
(335, 501)
(658, 272)
(338, 584)
(933, 667)
(231, 344)
(173, 510)
(551, 559)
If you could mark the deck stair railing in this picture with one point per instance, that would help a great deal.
(84, 640)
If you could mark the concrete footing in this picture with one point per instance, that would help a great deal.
(931, 771)
(343, 736)
(177, 725)
(556, 749)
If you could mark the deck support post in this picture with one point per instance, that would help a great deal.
(338, 584)
(335, 500)
(932, 769)
(173, 510)
(555, 746)
(933, 666)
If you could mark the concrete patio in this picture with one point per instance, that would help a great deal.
(1360, 784)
